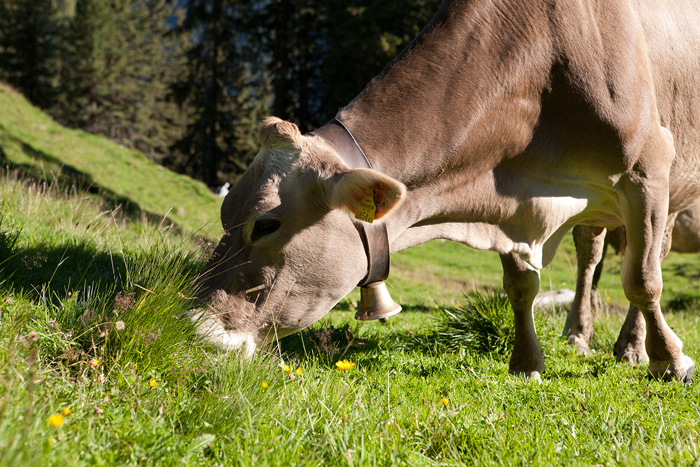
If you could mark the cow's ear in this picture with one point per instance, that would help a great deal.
(349, 188)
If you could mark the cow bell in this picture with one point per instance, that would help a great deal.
(376, 303)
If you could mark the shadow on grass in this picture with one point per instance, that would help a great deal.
(569, 375)
(81, 293)
(69, 178)
(683, 303)
(585, 368)
(74, 265)
(62, 268)
(329, 343)
(688, 270)
(688, 300)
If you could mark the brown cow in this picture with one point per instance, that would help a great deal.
(503, 125)
(591, 244)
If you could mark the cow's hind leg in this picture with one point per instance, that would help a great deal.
(521, 284)
(630, 345)
(645, 213)
(578, 328)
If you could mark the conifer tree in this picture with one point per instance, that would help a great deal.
(161, 122)
(361, 39)
(155, 58)
(284, 37)
(28, 47)
(217, 90)
(117, 64)
(91, 67)
(321, 53)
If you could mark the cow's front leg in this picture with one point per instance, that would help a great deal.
(521, 282)
(578, 328)
(630, 346)
(645, 217)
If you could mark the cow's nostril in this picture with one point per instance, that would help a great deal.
(237, 284)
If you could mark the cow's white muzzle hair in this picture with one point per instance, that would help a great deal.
(213, 331)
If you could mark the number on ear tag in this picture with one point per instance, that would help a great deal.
(366, 208)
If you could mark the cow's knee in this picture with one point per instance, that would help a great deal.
(642, 286)
(521, 284)
(642, 281)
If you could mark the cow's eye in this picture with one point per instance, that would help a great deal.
(264, 227)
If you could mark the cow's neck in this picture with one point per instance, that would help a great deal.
(463, 98)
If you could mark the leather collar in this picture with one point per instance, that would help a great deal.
(374, 236)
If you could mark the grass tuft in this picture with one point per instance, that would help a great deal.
(483, 325)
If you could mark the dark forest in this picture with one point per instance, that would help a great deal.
(187, 83)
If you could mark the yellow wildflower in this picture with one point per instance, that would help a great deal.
(56, 420)
(153, 383)
(344, 365)
(93, 363)
(265, 385)
(298, 371)
(66, 411)
(444, 401)
(286, 368)
(608, 298)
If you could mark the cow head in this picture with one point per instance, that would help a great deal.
(290, 250)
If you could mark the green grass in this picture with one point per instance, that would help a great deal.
(71, 269)
(32, 142)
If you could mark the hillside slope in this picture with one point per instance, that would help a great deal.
(31, 140)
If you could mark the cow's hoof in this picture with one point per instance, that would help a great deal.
(528, 365)
(632, 352)
(527, 375)
(667, 371)
(579, 344)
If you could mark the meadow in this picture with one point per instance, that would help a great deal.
(93, 322)
(100, 365)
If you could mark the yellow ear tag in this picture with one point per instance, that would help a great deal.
(366, 208)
